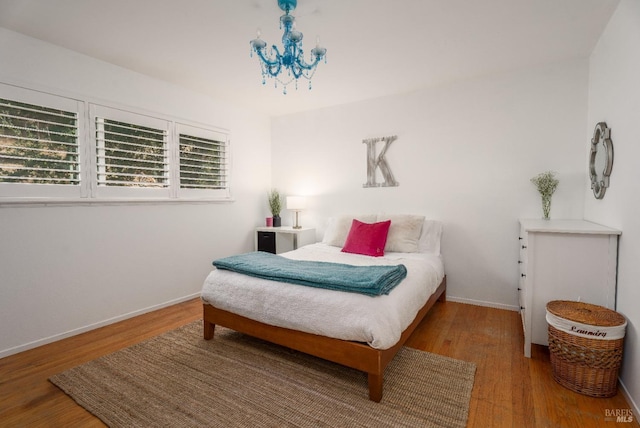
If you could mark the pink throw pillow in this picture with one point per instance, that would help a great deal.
(368, 239)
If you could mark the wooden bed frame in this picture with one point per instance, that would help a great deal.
(356, 355)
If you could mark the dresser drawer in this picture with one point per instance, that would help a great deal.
(523, 245)
(521, 298)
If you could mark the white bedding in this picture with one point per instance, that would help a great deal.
(378, 321)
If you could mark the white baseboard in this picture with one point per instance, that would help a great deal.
(482, 303)
(632, 403)
(74, 332)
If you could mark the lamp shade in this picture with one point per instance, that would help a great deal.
(296, 203)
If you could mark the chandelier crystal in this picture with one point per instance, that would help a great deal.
(291, 60)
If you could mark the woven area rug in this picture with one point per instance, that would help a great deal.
(179, 379)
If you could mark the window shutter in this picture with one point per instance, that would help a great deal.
(203, 163)
(38, 145)
(57, 149)
(131, 155)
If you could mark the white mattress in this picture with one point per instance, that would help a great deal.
(378, 321)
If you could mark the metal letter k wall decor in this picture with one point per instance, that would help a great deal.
(374, 162)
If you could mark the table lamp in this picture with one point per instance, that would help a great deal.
(297, 204)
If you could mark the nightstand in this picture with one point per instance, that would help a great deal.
(281, 239)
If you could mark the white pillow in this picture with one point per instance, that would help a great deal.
(338, 228)
(404, 232)
(430, 238)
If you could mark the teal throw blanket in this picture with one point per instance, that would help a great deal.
(370, 280)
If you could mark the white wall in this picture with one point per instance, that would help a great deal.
(464, 155)
(614, 97)
(68, 268)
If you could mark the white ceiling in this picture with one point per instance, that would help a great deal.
(374, 47)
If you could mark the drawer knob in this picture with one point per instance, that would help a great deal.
(519, 261)
(521, 308)
(523, 275)
(519, 289)
(524, 246)
(519, 238)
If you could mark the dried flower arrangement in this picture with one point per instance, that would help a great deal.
(546, 183)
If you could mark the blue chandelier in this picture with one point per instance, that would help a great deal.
(291, 59)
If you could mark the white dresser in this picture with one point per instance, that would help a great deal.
(563, 260)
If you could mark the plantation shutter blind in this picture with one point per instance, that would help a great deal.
(131, 155)
(203, 162)
(38, 145)
(66, 150)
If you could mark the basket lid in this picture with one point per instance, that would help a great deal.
(585, 313)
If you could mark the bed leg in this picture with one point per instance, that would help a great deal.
(209, 329)
(375, 387)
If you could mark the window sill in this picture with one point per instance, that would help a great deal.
(60, 202)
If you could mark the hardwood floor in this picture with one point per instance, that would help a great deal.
(27, 399)
(510, 390)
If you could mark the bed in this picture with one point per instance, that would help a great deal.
(359, 331)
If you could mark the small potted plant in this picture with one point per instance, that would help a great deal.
(275, 205)
(546, 183)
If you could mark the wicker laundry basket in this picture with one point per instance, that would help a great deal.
(585, 345)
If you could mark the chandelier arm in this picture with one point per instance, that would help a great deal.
(273, 70)
(296, 70)
(304, 65)
(274, 67)
(268, 62)
(271, 67)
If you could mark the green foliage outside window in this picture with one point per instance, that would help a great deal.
(37, 144)
(202, 163)
(130, 155)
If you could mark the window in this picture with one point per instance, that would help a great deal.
(38, 144)
(40, 147)
(203, 161)
(131, 155)
(45, 154)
